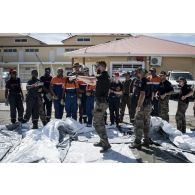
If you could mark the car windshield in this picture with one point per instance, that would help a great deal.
(175, 76)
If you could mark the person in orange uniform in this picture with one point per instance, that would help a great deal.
(56, 88)
(154, 81)
(70, 91)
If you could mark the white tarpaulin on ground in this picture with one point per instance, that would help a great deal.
(183, 142)
(69, 141)
(43, 145)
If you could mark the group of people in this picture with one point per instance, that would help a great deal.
(144, 93)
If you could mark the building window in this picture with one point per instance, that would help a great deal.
(83, 39)
(31, 50)
(70, 49)
(20, 40)
(10, 50)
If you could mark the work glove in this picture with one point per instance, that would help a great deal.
(78, 101)
(62, 102)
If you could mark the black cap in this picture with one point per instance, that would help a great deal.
(181, 79)
(47, 69)
(141, 70)
(128, 73)
(163, 73)
(152, 69)
(101, 63)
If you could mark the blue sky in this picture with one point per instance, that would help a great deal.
(56, 38)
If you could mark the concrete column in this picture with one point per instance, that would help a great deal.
(83, 60)
(72, 61)
(18, 70)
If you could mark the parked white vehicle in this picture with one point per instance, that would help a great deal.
(174, 75)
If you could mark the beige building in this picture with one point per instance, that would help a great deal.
(24, 53)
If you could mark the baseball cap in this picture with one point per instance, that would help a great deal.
(152, 69)
(163, 73)
(101, 63)
(141, 70)
(12, 71)
(181, 79)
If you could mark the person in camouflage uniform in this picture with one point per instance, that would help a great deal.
(164, 91)
(134, 96)
(185, 93)
(143, 111)
(125, 99)
(101, 105)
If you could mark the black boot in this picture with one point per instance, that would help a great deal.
(85, 119)
(35, 125)
(136, 145)
(23, 121)
(98, 144)
(80, 120)
(106, 146)
(147, 142)
(13, 121)
(44, 123)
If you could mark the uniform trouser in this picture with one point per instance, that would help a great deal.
(114, 105)
(82, 106)
(59, 109)
(134, 100)
(180, 115)
(89, 108)
(98, 119)
(71, 106)
(32, 109)
(15, 101)
(155, 109)
(41, 111)
(164, 109)
(142, 122)
(194, 108)
(47, 106)
(125, 101)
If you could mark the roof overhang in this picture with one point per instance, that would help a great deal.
(72, 54)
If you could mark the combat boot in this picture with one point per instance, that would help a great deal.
(106, 146)
(136, 145)
(80, 120)
(147, 142)
(13, 121)
(44, 123)
(85, 119)
(98, 144)
(35, 125)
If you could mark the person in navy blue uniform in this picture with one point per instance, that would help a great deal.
(185, 93)
(115, 93)
(14, 95)
(47, 105)
(34, 100)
